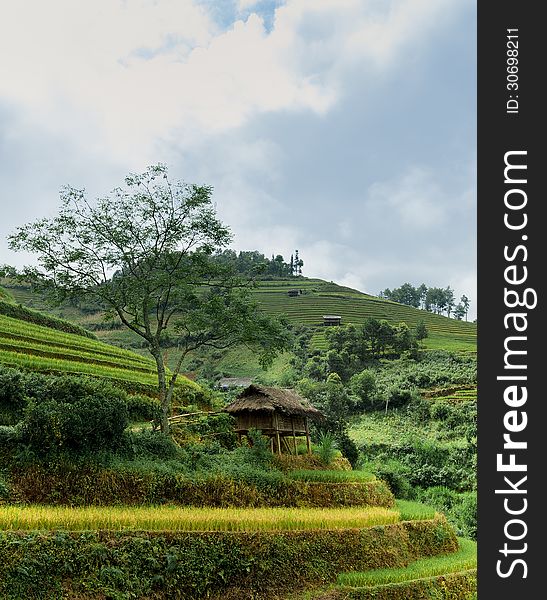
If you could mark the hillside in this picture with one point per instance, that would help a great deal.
(55, 346)
(318, 298)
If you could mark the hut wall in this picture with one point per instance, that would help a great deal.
(267, 421)
(285, 423)
(255, 419)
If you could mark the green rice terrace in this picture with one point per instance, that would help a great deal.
(57, 346)
(318, 298)
(321, 298)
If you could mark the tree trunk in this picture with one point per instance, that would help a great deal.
(162, 390)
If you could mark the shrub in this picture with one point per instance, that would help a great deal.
(4, 489)
(12, 397)
(152, 444)
(395, 475)
(464, 515)
(460, 508)
(191, 565)
(363, 385)
(143, 408)
(91, 423)
(347, 447)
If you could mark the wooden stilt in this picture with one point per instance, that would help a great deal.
(308, 444)
(294, 437)
(277, 434)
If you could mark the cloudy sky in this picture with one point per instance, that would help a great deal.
(343, 128)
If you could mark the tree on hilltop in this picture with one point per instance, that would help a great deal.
(144, 252)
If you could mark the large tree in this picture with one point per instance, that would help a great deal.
(144, 253)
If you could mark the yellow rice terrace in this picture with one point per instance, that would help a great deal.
(172, 518)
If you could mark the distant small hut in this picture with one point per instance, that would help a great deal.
(280, 414)
(332, 320)
(293, 293)
(227, 383)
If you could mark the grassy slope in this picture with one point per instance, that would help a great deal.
(319, 298)
(465, 558)
(39, 348)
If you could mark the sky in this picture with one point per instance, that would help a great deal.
(345, 129)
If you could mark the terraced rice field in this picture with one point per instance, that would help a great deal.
(464, 559)
(321, 298)
(38, 348)
(175, 518)
(461, 395)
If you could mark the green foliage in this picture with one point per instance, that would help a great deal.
(420, 331)
(260, 447)
(326, 448)
(195, 565)
(151, 444)
(158, 236)
(12, 396)
(347, 446)
(396, 475)
(460, 508)
(17, 311)
(5, 491)
(235, 483)
(143, 408)
(85, 425)
(363, 386)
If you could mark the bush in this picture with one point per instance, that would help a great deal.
(230, 565)
(152, 444)
(143, 408)
(91, 423)
(347, 447)
(460, 508)
(4, 489)
(395, 475)
(12, 396)
(363, 385)
(326, 449)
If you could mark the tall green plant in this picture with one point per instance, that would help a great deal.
(326, 448)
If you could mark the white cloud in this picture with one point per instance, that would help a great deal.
(415, 199)
(126, 77)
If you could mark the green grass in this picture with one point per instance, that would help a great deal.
(175, 518)
(330, 476)
(322, 298)
(319, 298)
(396, 429)
(414, 511)
(464, 559)
(43, 349)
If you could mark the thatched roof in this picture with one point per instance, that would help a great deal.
(260, 398)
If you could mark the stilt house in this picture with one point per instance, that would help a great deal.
(281, 414)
